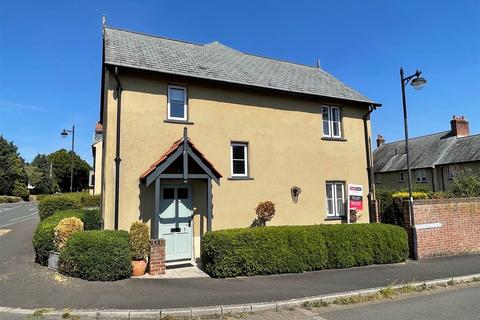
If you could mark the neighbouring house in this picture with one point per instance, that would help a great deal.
(97, 151)
(196, 135)
(434, 158)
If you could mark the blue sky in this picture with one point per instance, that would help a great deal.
(50, 56)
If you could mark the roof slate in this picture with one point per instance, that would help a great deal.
(427, 151)
(215, 61)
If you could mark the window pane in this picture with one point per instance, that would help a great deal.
(239, 167)
(330, 207)
(339, 191)
(238, 152)
(340, 207)
(326, 120)
(177, 95)
(168, 193)
(336, 129)
(182, 193)
(177, 110)
(329, 191)
(335, 114)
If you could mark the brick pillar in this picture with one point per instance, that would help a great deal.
(157, 257)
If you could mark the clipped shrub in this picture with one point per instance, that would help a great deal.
(273, 250)
(9, 199)
(102, 255)
(403, 195)
(64, 230)
(92, 219)
(139, 240)
(51, 204)
(44, 236)
(88, 200)
(265, 211)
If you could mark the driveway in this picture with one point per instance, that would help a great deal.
(25, 284)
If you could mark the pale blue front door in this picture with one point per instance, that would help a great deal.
(175, 222)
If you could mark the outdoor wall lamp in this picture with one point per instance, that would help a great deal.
(295, 191)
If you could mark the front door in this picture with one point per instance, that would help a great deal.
(176, 221)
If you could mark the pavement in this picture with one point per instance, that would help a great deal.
(25, 284)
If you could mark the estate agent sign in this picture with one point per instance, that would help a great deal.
(355, 197)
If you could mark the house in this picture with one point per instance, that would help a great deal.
(97, 149)
(434, 158)
(196, 135)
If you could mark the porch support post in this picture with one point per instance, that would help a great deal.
(157, 210)
(185, 154)
(209, 204)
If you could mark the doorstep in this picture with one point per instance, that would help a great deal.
(183, 271)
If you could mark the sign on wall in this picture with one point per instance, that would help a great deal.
(355, 197)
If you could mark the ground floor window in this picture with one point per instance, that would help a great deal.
(335, 199)
(421, 175)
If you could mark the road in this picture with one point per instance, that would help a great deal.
(13, 213)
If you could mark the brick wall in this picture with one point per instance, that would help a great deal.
(445, 226)
(157, 257)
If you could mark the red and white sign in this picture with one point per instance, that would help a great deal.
(355, 197)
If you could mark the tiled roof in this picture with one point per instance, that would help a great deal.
(427, 151)
(215, 61)
(98, 127)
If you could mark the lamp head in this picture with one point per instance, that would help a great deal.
(419, 82)
(64, 133)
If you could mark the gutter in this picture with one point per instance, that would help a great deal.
(368, 147)
(119, 90)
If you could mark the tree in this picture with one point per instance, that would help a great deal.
(12, 170)
(466, 184)
(61, 161)
(40, 178)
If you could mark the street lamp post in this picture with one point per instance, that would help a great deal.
(64, 134)
(418, 83)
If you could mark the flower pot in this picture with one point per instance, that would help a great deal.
(139, 267)
(53, 258)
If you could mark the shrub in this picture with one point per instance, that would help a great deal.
(403, 195)
(265, 212)
(90, 200)
(139, 240)
(466, 184)
(9, 199)
(51, 204)
(92, 219)
(65, 229)
(272, 250)
(102, 255)
(20, 190)
(44, 236)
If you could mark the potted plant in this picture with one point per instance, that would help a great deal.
(139, 247)
(62, 232)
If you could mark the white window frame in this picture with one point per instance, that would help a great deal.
(451, 172)
(331, 121)
(245, 152)
(333, 184)
(185, 103)
(420, 176)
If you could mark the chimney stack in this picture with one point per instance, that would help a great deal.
(460, 126)
(380, 140)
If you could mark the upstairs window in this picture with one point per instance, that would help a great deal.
(335, 199)
(331, 122)
(239, 157)
(421, 175)
(402, 177)
(177, 103)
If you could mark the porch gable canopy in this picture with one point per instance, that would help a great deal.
(188, 151)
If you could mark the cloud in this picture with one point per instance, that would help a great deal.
(8, 104)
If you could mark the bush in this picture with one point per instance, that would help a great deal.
(466, 184)
(44, 236)
(102, 255)
(20, 190)
(92, 219)
(139, 240)
(51, 204)
(265, 212)
(403, 195)
(9, 199)
(90, 201)
(272, 250)
(64, 230)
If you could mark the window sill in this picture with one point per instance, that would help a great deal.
(177, 121)
(334, 139)
(239, 178)
(335, 218)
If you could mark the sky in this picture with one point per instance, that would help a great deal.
(50, 56)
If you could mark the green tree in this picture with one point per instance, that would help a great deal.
(12, 169)
(466, 184)
(41, 179)
(61, 161)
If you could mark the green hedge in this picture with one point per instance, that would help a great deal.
(54, 203)
(272, 250)
(44, 234)
(102, 255)
(9, 199)
(90, 200)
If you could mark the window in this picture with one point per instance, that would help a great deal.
(331, 122)
(335, 199)
(239, 155)
(177, 103)
(451, 172)
(421, 175)
(378, 178)
(402, 177)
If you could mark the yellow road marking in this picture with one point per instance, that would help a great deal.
(4, 231)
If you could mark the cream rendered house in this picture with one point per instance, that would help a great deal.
(195, 136)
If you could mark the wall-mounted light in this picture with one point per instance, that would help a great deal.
(295, 192)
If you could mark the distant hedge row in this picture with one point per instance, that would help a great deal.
(286, 249)
(53, 203)
(9, 199)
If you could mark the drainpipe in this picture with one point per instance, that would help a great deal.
(119, 90)
(368, 147)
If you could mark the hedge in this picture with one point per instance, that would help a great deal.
(44, 234)
(90, 200)
(54, 203)
(288, 249)
(102, 255)
(9, 199)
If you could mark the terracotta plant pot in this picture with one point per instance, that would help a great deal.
(139, 267)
